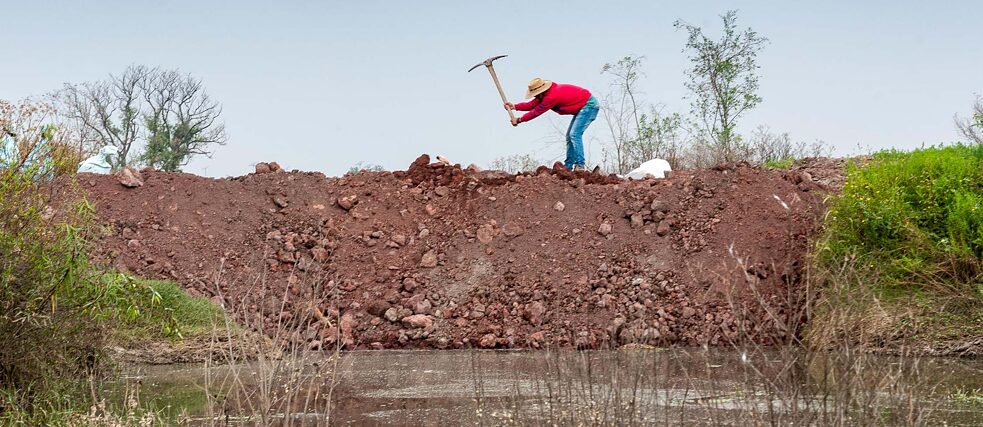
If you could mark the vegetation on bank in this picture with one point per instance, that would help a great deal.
(57, 311)
(902, 254)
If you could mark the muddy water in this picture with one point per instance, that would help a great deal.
(625, 387)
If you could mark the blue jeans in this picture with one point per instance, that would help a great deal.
(575, 133)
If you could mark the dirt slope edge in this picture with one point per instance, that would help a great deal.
(441, 257)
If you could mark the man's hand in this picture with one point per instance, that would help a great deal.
(515, 121)
(509, 106)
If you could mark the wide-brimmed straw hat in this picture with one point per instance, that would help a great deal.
(537, 86)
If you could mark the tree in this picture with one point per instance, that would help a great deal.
(515, 163)
(636, 136)
(722, 81)
(181, 120)
(971, 128)
(109, 110)
(168, 111)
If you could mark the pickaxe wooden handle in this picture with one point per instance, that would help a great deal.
(491, 70)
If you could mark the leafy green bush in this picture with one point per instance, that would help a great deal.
(902, 254)
(914, 215)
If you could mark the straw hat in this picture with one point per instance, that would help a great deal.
(537, 86)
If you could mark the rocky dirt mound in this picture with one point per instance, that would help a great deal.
(444, 257)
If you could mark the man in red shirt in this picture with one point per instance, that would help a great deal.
(565, 99)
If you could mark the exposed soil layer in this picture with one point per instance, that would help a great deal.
(444, 257)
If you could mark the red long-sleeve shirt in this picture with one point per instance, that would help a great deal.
(562, 98)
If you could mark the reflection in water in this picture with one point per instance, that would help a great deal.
(640, 387)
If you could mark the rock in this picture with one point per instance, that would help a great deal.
(130, 178)
(347, 325)
(663, 228)
(604, 229)
(442, 191)
(534, 312)
(275, 167)
(659, 206)
(688, 312)
(536, 338)
(485, 234)
(347, 202)
(391, 314)
(129, 234)
(512, 230)
(429, 260)
(377, 307)
(417, 321)
(559, 207)
(637, 220)
(399, 239)
(409, 284)
(473, 168)
(424, 233)
(488, 341)
(419, 304)
(263, 167)
(280, 202)
(320, 254)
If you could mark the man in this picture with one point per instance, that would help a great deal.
(565, 99)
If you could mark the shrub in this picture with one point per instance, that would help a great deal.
(903, 247)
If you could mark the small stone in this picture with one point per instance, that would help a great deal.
(604, 229)
(424, 233)
(488, 341)
(559, 207)
(320, 254)
(512, 230)
(429, 260)
(275, 167)
(347, 202)
(263, 167)
(442, 191)
(534, 312)
(417, 321)
(280, 202)
(391, 314)
(637, 220)
(663, 228)
(659, 206)
(399, 239)
(485, 234)
(130, 178)
(409, 284)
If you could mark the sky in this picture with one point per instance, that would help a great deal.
(323, 85)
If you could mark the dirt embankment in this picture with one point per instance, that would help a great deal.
(443, 257)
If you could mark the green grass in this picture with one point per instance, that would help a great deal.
(150, 310)
(906, 236)
(780, 164)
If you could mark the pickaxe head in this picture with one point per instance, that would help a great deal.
(487, 62)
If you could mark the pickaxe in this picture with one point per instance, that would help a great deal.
(491, 70)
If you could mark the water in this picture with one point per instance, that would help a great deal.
(619, 387)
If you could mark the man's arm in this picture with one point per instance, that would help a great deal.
(542, 106)
(526, 106)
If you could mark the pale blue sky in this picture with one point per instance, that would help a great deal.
(321, 85)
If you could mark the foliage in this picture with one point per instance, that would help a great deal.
(366, 167)
(723, 81)
(636, 136)
(785, 163)
(33, 136)
(56, 310)
(907, 233)
(515, 163)
(168, 111)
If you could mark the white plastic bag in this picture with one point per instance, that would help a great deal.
(657, 168)
(102, 162)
